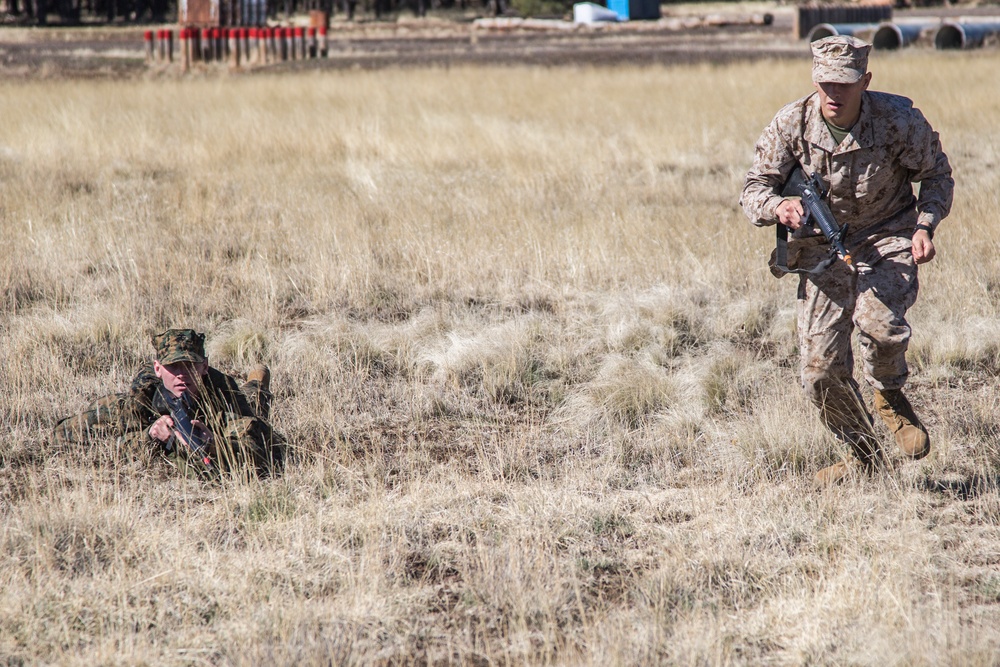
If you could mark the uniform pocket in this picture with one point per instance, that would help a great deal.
(874, 175)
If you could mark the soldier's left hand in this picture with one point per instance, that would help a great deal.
(923, 247)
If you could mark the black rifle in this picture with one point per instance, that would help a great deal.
(812, 192)
(180, 412)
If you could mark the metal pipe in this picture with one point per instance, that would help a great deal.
(955, 35)
(822, 30)
(890, 36)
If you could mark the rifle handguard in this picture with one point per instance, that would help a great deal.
(812, 192)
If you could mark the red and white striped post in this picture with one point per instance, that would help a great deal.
(323, 45)
(207, 45)
(280, 45)
(245, 44)
(253, 46)
(311, 50)
(169, 34)
(233, 46)
(148, 38)
(299, 40)
(185, 54)
(263, 36)
(217, 47)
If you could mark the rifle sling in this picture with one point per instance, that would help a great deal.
(781, 254)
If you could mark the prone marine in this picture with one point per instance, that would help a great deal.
(196, 416)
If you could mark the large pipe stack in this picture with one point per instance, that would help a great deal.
(809, 16)
(821, 30)
(962, 35)
(891, 36)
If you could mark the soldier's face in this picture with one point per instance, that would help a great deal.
(182, 377)
(841, 102)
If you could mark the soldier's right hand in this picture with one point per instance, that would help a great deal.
(162, 429)
(790, 213)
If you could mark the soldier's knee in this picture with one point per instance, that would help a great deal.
(823, 387)
(817, 382)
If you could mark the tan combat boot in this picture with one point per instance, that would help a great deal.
(903, 423)
(868, 459)
(834, 474)
(262, 376)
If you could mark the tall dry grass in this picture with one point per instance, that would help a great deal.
(540, 387)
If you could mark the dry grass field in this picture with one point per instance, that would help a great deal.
(540, 387)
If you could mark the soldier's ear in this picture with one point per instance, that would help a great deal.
(158, 368)
(867, 79)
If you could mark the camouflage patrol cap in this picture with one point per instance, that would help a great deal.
(177, 345)
(839, 59)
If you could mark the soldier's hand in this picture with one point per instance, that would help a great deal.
(790, 213)
(162, 429)
(923, 247)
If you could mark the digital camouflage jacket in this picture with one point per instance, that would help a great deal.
(870, 174)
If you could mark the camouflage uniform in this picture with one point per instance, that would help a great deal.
(236, 414)
(869, 176)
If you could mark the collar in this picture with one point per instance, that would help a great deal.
(862, 135)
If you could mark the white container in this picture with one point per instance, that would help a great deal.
(588, 12)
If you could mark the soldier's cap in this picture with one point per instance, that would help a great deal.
(177, 345)
(839, 59)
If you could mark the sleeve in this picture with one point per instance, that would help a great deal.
(772, 165)
(231, 395)
(928, 166)
(137, 412)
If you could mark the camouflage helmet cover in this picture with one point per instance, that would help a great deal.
(178, 345)
(839, 59)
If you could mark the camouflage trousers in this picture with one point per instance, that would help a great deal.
(241, 442)
(831, 305)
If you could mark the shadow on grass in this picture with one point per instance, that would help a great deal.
(968, 488)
